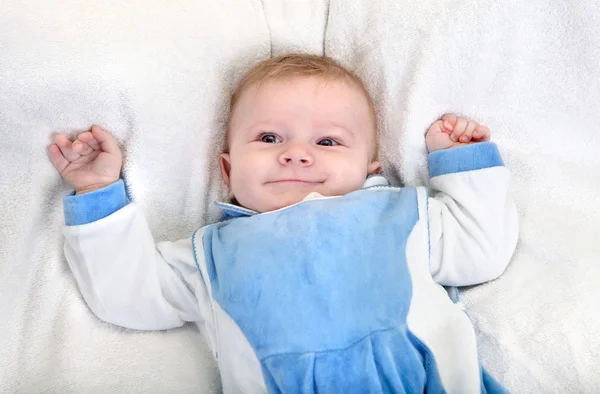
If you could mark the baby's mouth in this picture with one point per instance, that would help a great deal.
(293, 183)
(296, 181)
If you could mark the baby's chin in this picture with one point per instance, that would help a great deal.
(279, 201)
(282, 201)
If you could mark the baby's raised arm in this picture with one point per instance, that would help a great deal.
(473, 220)
(124, 277)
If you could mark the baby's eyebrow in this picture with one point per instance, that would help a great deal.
(341, 126)
(264, 123)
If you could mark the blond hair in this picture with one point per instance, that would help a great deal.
(299, 65)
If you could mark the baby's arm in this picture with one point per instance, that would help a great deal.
(123, 276)
(473, 220)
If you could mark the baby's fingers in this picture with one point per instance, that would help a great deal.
(459, 129)
(448, 123)
(66, 147)
(106, 141)
(482, 133)
(82, 147)
(57, 158)
(89, 139)
(468, 134)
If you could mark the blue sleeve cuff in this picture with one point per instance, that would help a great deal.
(89, 207)
(465, 158)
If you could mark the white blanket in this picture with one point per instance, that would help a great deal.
(157, 75)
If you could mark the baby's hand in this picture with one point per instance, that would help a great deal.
(91, 162)
(452, 131)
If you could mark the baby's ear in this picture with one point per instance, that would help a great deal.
(374, 168)
(225, 161)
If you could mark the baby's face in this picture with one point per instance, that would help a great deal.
(295, 136)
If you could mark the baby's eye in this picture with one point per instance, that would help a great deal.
(327, 142)
(270, 139)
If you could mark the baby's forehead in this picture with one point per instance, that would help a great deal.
(333, 92)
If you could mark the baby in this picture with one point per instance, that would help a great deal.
(321, 277)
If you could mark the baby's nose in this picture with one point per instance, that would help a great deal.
(296, 155)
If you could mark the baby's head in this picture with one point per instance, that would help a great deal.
(298, 124)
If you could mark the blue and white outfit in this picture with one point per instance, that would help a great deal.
(330, 295)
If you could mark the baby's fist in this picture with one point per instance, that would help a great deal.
(452, 131)
(91, 162)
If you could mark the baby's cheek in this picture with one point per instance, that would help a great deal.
(247, 186)
(347, 182)
(238, 182)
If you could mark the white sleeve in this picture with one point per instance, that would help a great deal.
(123, 276)
(473, 221)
